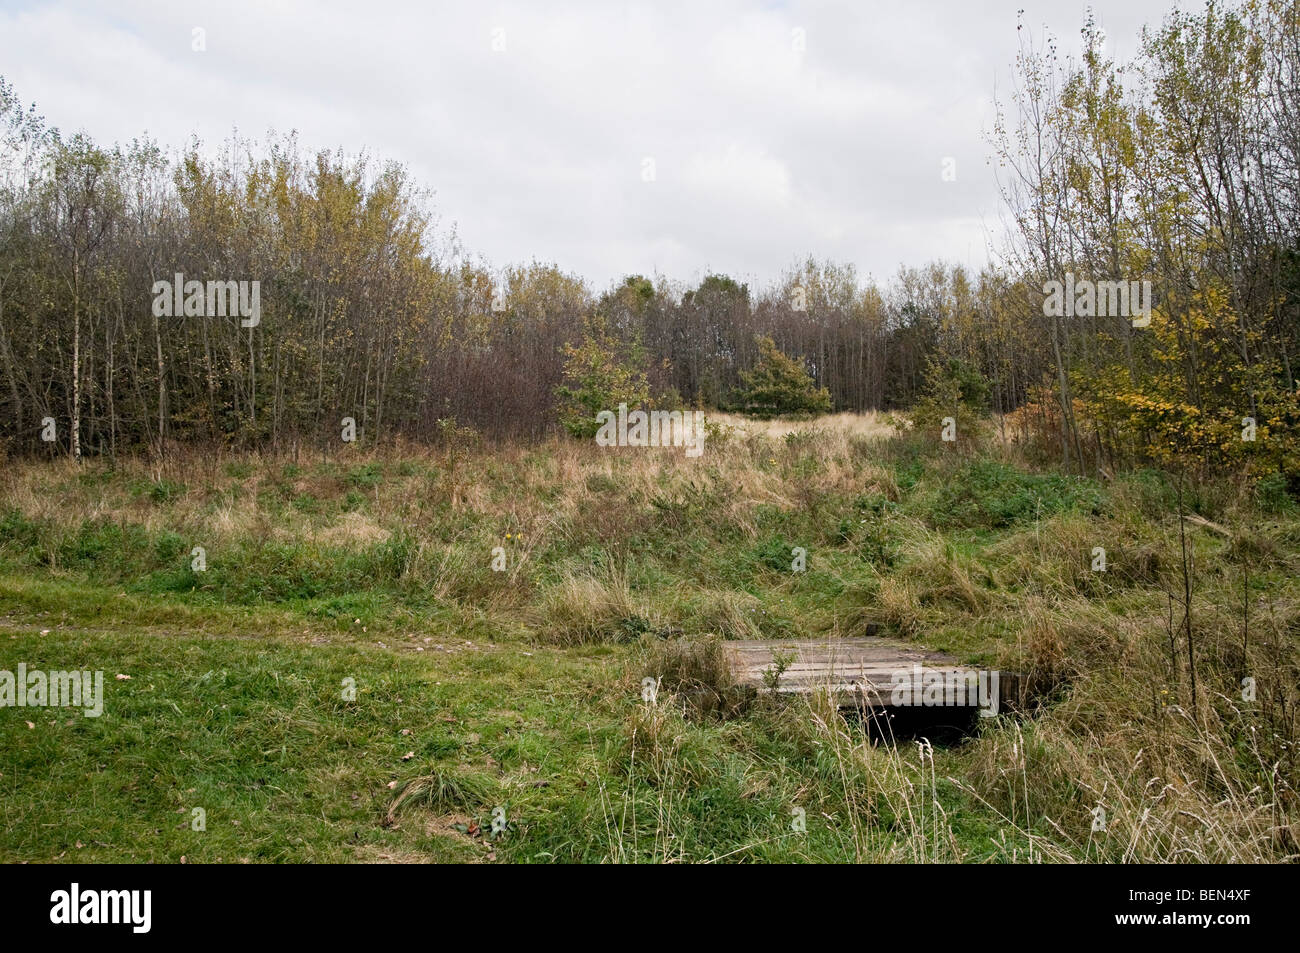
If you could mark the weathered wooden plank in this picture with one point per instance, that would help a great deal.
(860, 671)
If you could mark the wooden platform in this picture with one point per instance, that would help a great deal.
(858, 671)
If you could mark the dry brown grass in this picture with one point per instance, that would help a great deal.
(871, 425)
(1116, 726)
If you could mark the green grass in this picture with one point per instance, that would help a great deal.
(521, 689)
(255, 732)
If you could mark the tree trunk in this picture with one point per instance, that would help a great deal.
(76, 357)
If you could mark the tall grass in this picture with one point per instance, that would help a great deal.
(653, 558)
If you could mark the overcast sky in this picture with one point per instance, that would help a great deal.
(776, 130)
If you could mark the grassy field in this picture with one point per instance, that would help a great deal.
(516, 690)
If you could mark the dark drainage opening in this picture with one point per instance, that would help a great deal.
(945, 725)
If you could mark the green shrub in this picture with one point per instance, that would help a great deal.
(1271, 494)
(987, 493)
(366, 476)
(778, 385)
(18, 535)
(169, 547)
(774, 553)
(599, 375)
(956, 393)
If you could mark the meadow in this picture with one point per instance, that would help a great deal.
(496, 607)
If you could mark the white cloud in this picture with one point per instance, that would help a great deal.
(764, 152)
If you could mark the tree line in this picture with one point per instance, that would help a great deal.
(1180, 167)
